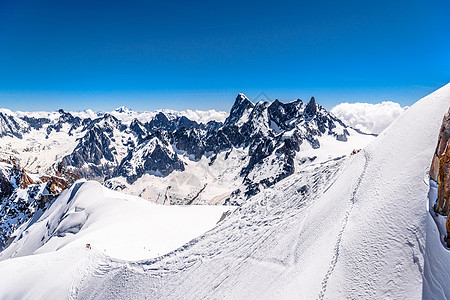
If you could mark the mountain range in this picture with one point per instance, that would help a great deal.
(256, 146)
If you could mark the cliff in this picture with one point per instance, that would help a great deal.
(440, 167)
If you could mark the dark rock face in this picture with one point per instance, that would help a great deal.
(189, 141)
(95, 154)
(36, 123)
(139, 128)
(6, 188)
(311, 108)
(12, 126)
(152, 157)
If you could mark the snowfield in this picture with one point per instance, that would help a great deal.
(114, 224)
(352, 227)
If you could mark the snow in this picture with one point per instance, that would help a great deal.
(39, 151)
(115, 224)
(119, 225)
(331, 148)
(355, 227)
(210, 184)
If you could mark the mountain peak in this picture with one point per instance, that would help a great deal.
(241, 97)
(241, 104)
(123, 109)
(311, 107)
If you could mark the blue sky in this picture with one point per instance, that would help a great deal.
(199, 54)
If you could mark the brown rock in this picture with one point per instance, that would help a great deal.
(443, 140)
(443, 201)
(21, 177)
(440, 172)
(448, 231)
(55, 184)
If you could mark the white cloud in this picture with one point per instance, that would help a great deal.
(204, 116)
(370, 118)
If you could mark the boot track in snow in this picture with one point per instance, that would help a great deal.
(337, 246)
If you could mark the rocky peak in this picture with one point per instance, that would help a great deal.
(311, 108)
(151, 157)
(139, 128)
(65, 118)
(108, 122)
(160, 121)
(240, 106)
(183, 122)
(281, 114)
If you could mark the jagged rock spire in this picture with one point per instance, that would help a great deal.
(311, 107)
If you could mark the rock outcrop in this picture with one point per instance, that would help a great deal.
(440, 172)
(440, 167)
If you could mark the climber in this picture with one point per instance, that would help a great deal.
(88, 246)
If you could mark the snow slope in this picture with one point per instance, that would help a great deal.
(115, 224)
(121, 226)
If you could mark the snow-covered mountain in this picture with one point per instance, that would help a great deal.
(350, 227)
(182, 160)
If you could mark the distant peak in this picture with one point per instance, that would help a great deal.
(123, 109)
(161, 116)
(109, 117)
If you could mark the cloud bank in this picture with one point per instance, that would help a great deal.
(367, 117)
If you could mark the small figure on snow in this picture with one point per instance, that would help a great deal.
(88, 246)
(355, 151)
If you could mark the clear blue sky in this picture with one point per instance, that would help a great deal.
(200, 54)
